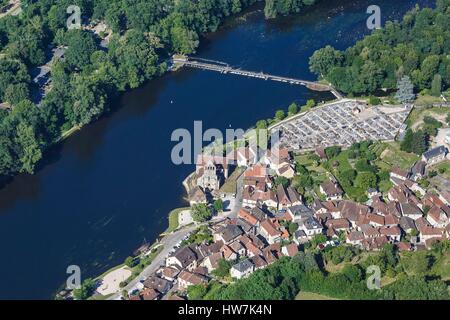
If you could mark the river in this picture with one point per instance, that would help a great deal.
(111, 185)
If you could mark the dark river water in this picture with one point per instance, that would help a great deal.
(112, 184)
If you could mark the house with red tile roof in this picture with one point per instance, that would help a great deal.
(393, 233)
(355, 237)
(338, 224)
(149, 294)
(404, 246)
(289, 250)
(247, 216)
(270, 232)
(427, 233)
(331, 190)
(187, 278)
(410, 210)
(437, 217)
(398, 173)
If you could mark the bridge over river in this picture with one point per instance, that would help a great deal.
(222, 67)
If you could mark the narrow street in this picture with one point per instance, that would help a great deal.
(171, 240)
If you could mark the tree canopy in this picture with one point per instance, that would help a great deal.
(415, 48)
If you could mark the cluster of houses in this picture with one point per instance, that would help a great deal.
(249, 246)
(212, 171)
(274, 221)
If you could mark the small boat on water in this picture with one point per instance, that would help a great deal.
(142, 249)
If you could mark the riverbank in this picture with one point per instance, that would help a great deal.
(114, 180)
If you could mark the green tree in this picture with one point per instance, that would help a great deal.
(184, 41)
(292, 227)
(16, 93)
(261, 124)
(223, 268)
(130, 262)
(85, 291)
(332, 152)
(436, 85)
(201, 212)
(310, 103)
(218, 205)
(406, 144)
(280, 115)
(324, 59)
(89, 101)
(366, 180)
(196, 292)
(31, 151)
(293, 109)
(318, 239)
(279, 180)
(374, 101)
(81, 45)
(363, 165)
(347, 178)
(405, 91)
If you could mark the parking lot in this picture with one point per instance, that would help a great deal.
(342, 123)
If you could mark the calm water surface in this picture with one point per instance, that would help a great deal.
(111, 185)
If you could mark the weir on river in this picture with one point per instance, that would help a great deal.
(224, 68)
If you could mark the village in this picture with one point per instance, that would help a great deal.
(269, 219)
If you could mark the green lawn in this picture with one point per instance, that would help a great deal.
(442, 267)
(344, 163)
(173, 219)
(385, 186)
(392, 156)
(416, 116)
(445, 165)
(230, 185)
(303, 159)
(303, 295)
(427, 100)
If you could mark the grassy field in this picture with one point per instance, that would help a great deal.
(342, 158)
(304, 160)
(442, 268)
(443, 166)
(392, 156)
(415, 119)
(303, 295)
(230, 185)
(344, 165)
(319, 174)
(427, 100)
(173, 219)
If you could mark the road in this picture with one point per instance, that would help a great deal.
(440, 139)
(171, 240)
(14, 10)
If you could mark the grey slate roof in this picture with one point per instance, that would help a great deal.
(230, 232)
(301, 211)
(311, 223)
(243, 265)
(418, 168)
(407, 223)
(433, 153)
(186, 256)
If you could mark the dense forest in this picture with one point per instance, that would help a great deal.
(144, 34)
(274, 8)
(416, 275)
(418, 47)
